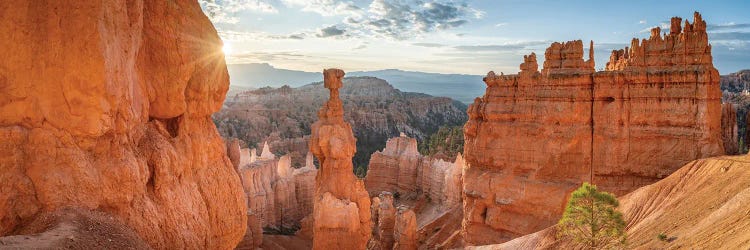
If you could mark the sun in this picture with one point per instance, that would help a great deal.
(227, 49)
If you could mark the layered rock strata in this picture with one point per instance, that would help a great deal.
(105, 105)
(341, 212)
(399, 168)
(535, 136)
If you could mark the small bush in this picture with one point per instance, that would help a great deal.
(662, 237)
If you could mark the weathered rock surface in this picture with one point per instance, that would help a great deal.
(430, 187)
(399, 168)
(341, 212)
(405, 229)
(703, 205)
(729, 129)
(254, 234)
(535, 136)
(105, 105)
(384, 218)
(278, 195)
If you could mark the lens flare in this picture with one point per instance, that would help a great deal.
(227, 49)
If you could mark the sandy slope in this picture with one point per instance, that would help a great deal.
(704, 205)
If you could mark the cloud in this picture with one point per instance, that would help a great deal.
(330, 31)
(259, 56)
(429, 45)
(642, 22)
(234, 36)
(398, 19)
(501, 25)
(731, 40)
(664, 28)
(393, 19)
(326, 7)
(727, 26)
(224, 11)
(735, 35)
(506, 47)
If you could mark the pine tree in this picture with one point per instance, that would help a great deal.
(591, 219)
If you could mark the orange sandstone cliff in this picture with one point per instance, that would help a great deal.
(105, 105)
(535, 136)
(703, 205)
(341, 205)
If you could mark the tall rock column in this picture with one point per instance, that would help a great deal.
(341, 209)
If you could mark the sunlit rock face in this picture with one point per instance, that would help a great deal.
(535, 136)
(341, 210)
(105, 105)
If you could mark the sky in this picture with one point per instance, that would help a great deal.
(455, 36)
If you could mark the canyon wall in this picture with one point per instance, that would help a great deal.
(106, 105)
(399, 168)
(536, 136)
(341, 206)
(277, 194)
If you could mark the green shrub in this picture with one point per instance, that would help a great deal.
(662, 237)
(591, 219)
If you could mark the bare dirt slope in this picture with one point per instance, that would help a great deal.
(704, 205)
(74, 229)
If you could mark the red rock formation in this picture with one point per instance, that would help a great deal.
(304, 185)
(341, 212)
(534, 137)
(278, 195)
(729, 129)
(234, 152)
(384, 217)
(105, 105)
(405, 230)
(703, 205)
(394, 169)
(254, 234)
(400, 168)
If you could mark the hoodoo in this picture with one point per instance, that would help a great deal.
(535, 136)
(105, 105)
(341, 205)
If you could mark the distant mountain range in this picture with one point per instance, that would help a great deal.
(463, 88)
